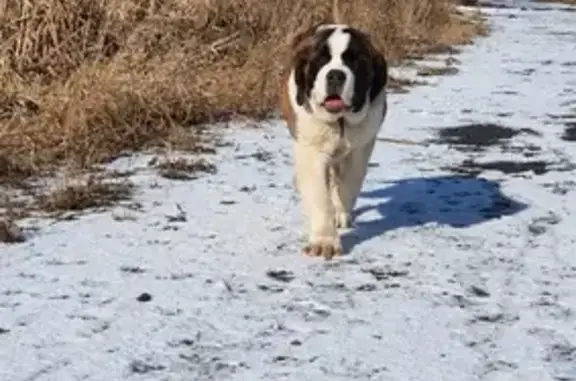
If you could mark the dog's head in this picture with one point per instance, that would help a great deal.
(337, 71)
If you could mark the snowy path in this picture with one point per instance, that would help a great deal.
(450, 277)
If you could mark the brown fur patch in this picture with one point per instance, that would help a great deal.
(286, 107)
(299, 50)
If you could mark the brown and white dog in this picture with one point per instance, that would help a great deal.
(333, 99)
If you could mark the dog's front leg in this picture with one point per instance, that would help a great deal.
(312, 177)
(349, 180)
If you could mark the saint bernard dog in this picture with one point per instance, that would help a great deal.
(333, 100)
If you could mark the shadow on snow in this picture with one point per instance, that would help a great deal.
(456, 201)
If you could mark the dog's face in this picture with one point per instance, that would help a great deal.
(337, 71)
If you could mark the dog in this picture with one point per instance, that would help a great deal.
(333, 100)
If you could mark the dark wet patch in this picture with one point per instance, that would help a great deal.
(562, 34)
(367, 287)
(281, 275)
(562, 187)
(547, 9)
(565, 352)
(561, 116)
(143, 367)
(569, 132)
(570, 103)
(526, 150)
(260, 155)
(487, 4)
(479, 291)
(540, 225)
(144, 297)
(175, 276)
(523, 72)
(490, 317)
(506, 92)
(132, 269)
(436, 71)
(386, 272)
(477, 137)
(274, 289)
(474, 168)
(180, 216)
(181, 343)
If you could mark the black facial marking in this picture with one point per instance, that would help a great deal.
(309, 64)
(369, 68)
(380, 75)
(300, 78)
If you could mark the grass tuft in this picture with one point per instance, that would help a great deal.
(88, 194)
(182, 168)
(10, 232)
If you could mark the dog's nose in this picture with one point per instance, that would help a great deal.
(335, 78)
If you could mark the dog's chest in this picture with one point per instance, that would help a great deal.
(335, 140)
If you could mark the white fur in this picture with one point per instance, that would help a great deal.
(330, 168)
(337, 43)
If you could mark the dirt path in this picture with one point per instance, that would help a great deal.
(461, 265)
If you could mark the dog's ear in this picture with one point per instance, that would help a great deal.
(379, 68)
(380, 74)
(300, 79)
(301, 48)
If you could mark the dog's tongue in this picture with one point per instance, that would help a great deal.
(334, 104)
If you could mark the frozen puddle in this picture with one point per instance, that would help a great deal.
(461, 266)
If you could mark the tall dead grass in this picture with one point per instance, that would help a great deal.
(82, 81)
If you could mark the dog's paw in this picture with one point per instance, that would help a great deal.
(326, 248)
(343, 220)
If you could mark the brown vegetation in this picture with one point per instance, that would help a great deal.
(10, 232)
(182, 168)
(83, 81)
(91, 193)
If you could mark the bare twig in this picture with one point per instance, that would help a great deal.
(402, 141)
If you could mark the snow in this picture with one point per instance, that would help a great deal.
(447, 277)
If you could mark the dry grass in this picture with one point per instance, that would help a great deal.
(82, 81)
(90, 193)
(427, 71)
(85, 81)
(182, 168)
(10, 232)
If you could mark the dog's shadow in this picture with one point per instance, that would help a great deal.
(456, 201)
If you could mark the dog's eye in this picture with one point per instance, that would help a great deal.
(349, 55)
(324, 52)
(322, 56)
